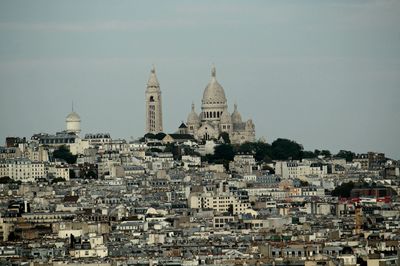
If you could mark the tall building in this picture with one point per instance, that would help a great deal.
(153, 105)
(215, 117)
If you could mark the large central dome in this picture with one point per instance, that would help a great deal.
(214, 93)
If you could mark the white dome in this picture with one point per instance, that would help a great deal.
(226, 118)
(193, 117)
(236, 117)
(73, 117)
(214, 93)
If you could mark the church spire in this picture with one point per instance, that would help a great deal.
(213, 71)
(153, 81)
(153, 104)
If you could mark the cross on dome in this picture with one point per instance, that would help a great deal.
(213, 71)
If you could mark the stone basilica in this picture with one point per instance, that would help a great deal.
(215, 118)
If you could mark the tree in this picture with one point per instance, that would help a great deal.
(190, 151)
(225, 137)
(224, 151)
(326, 153)
(223, 154)
(267, 159)
(72, 173)
(261, 150)
(6, 180)
(348, 155)
(63, 153)
(149, 136)
(308, 155)
(304, 183)
(160, 135)
(343, 190)
(174, 149)
(58, 179)
(283, 149)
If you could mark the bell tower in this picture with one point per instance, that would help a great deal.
(153, 105)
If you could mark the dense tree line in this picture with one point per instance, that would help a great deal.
(280, 149)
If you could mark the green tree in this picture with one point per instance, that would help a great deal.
(326, 153)
(261, 150)
(283, 149)
(72, 174)
(348, 155)
(304, 183)
(6, 180)
(225, 137)
(160, 135)
(174, 149)
(224, 151)
(343, 190)
(57, 180)
(308, 155)
(150, 136)
(63, 153)
(223, 154)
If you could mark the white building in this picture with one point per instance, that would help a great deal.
(58, 171)
(154, 123)
(242, 164)
(215, 117)
(297, 169)
(22, 169)
(191, 161)
(219, 203)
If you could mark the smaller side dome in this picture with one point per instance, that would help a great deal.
(73, 117)
(236, 117)
(226, 117)
(193, 117)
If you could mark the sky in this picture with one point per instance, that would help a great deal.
(323, 73)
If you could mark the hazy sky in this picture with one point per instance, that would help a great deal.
(323, 73)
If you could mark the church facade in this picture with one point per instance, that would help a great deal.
(215, 118)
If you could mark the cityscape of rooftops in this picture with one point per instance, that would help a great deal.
(199, 133)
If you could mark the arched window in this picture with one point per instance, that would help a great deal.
(151, 99)
(215, 115)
